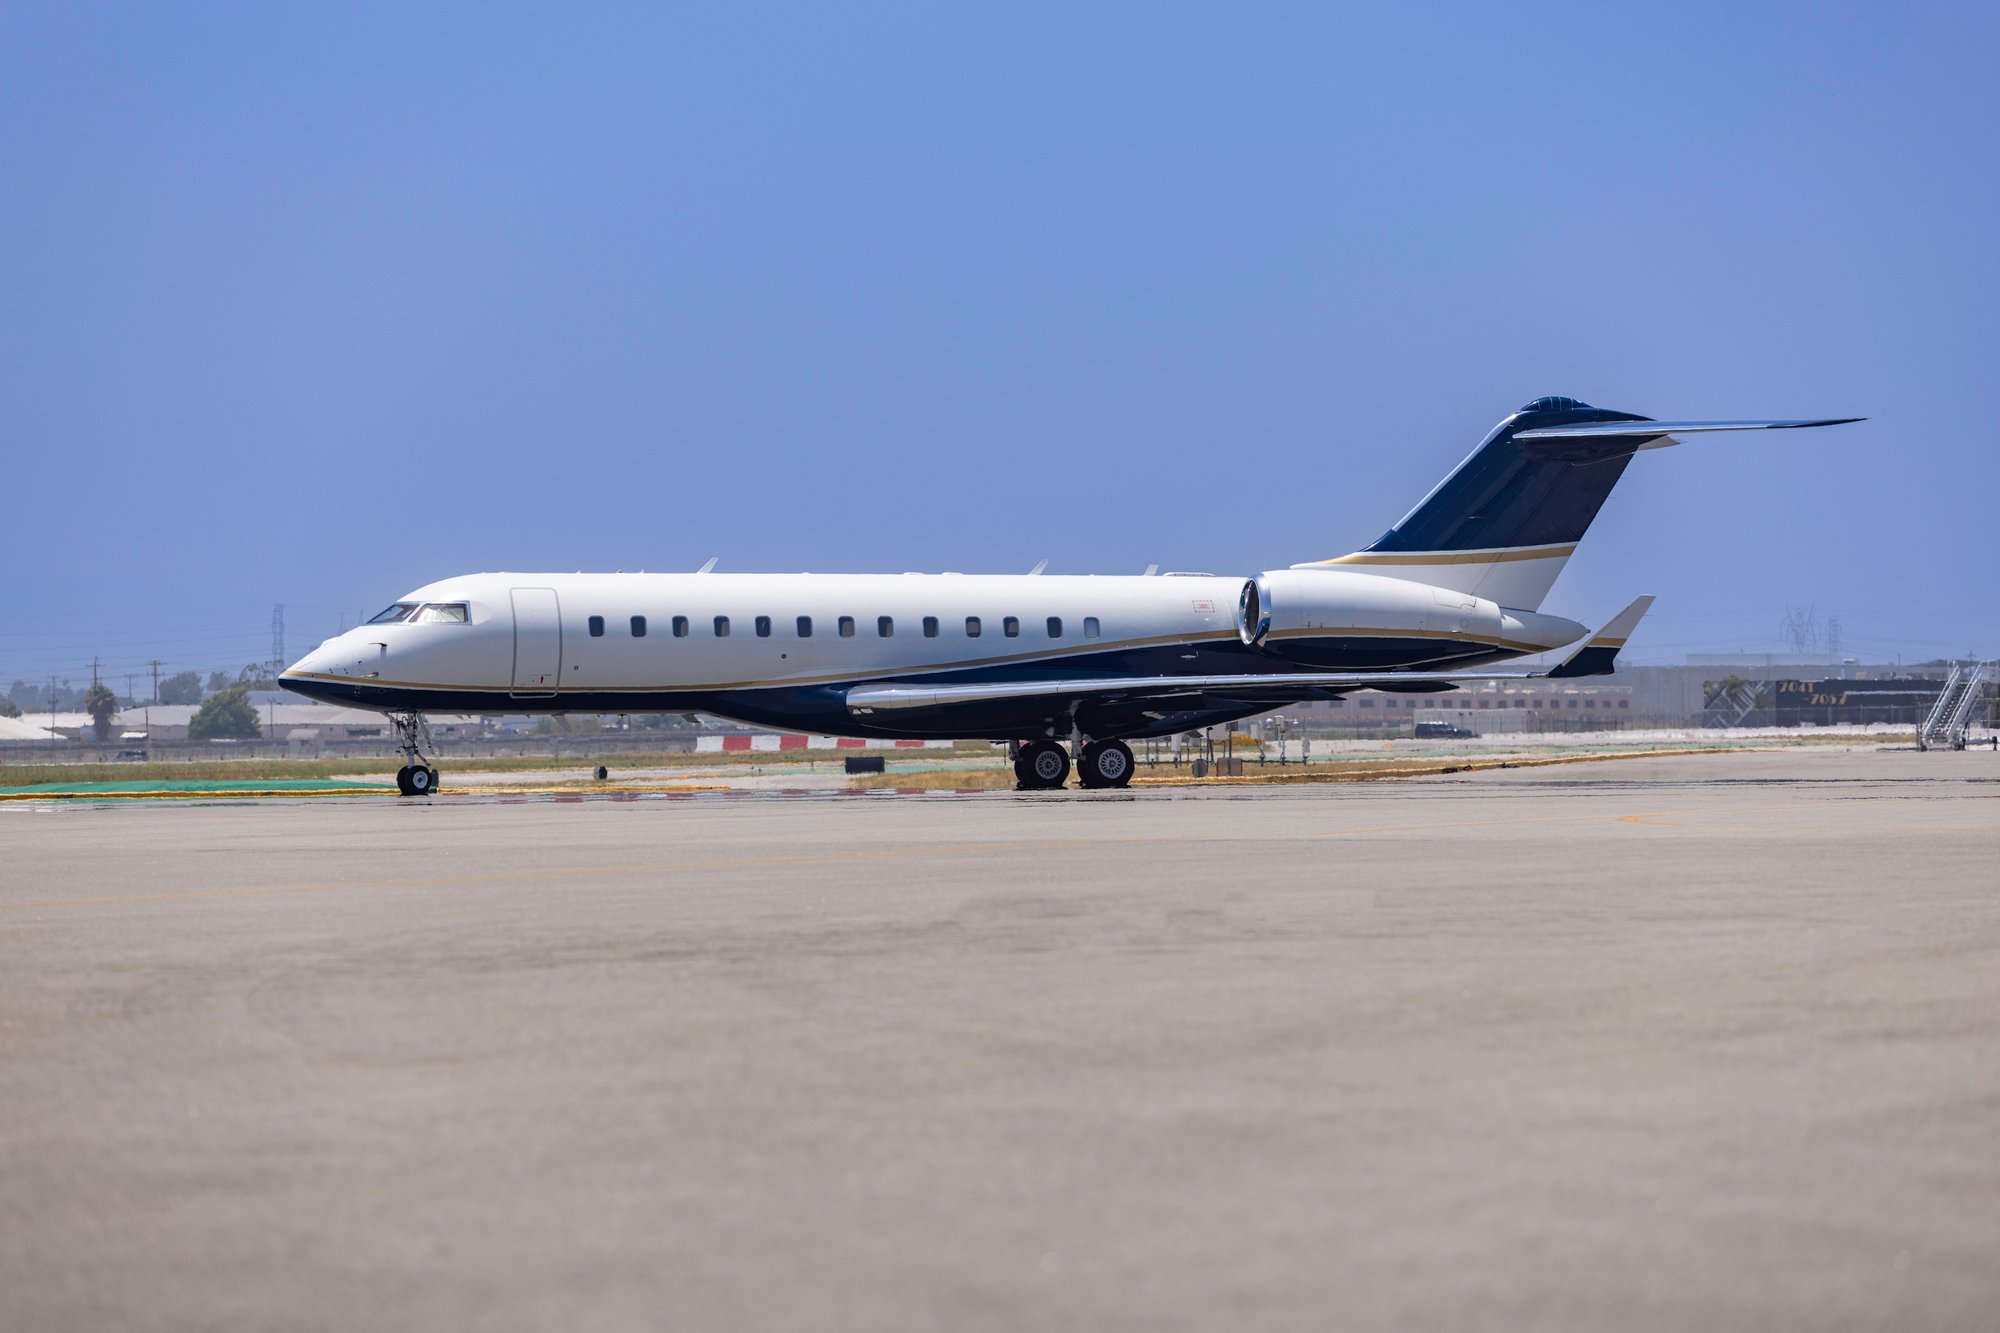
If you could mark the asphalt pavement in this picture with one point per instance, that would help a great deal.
(1700, 1043)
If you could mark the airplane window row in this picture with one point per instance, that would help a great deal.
(885, 627)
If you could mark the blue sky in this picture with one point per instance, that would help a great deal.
(313, 304)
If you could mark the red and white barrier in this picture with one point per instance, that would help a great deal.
(796, 741)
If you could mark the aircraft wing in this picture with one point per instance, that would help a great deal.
(1595, 657)
(1276, 687)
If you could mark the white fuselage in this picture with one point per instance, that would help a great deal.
(746, 644)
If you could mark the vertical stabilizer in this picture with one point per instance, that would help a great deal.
(1504, 523)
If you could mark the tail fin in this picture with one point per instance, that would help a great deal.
(1599, 654)
(1505, 522)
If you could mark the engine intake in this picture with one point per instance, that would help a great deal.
(1253, 613)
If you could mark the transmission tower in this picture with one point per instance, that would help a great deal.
(277, 639)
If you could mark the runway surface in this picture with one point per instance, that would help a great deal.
(1656, 1044)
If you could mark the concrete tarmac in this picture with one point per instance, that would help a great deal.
(1702, 1043)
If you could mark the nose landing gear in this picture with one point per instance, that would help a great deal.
(415, 778)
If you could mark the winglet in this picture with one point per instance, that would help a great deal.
(1599, 654)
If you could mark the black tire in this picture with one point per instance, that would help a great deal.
(1105, 764)
(403, 781)
(1043, 766)
(422, 781)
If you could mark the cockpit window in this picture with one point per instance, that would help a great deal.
(441, 613)
(400, 611)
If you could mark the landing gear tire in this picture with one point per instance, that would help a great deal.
(1105, 764)
(415, 778)
(1042, 766)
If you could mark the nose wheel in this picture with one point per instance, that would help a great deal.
(415, 778)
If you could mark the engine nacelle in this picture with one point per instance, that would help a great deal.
(1288, 604)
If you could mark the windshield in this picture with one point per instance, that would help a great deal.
(400, 611)
(437, 613)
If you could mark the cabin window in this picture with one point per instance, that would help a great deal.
(805, 627)
(847, 627)
(972, 627)
(638, 627)
(1011, 627)
(390, 615)
(1055, 627)
(1090, 627)
(442, 613)
(930, 627)
(597, 627)
(763, 627)
(722, 627)
(680, 627)
(885, 626)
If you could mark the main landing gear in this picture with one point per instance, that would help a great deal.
(1044, 765)
(1105, 764)
(415, 778)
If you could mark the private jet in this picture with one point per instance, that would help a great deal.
(1064, 671)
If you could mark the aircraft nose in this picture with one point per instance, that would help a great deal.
(314, 663)
(338, 656)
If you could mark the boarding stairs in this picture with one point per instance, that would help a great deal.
(1944, 727)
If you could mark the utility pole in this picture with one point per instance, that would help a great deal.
(155, 664)
(277, 640)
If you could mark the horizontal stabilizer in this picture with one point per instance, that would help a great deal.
(1627, 430)
(1599, 654)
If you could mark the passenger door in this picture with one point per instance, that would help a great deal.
(537, 643)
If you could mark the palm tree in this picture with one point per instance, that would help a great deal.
(102, 705)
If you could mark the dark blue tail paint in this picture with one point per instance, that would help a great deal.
(1515, 493)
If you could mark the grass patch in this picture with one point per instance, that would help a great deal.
(232, 770)
(992, 777)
